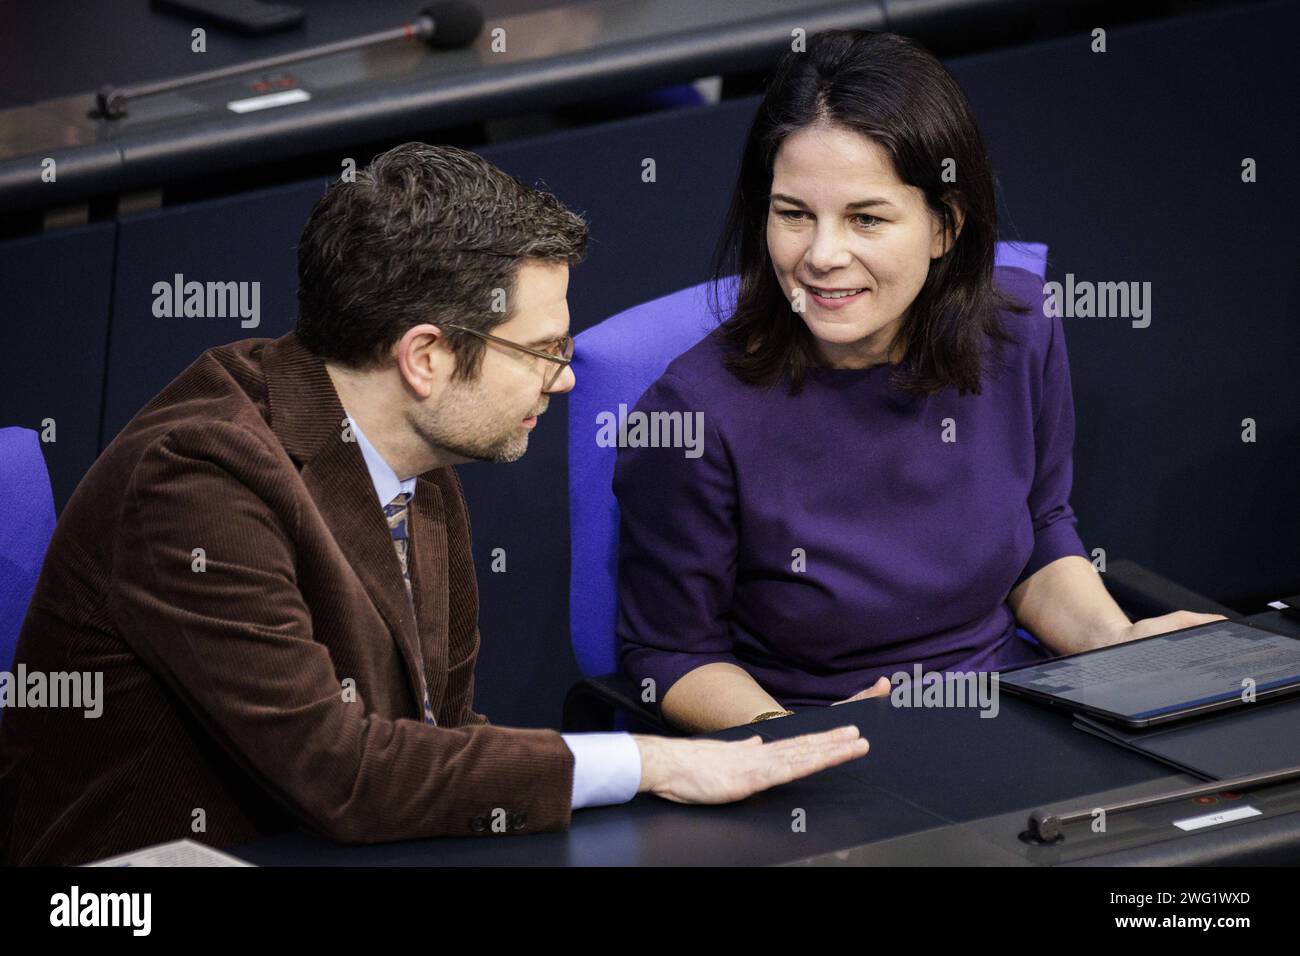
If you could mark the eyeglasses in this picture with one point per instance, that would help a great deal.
(564, 345)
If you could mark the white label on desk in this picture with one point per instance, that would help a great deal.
(176, 853)
(269, 100)
(1214, 819)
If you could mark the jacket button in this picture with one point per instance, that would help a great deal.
(478, 824)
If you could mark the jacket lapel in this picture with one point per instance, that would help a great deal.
(430, 576)
(307, 417)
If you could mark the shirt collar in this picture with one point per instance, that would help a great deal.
(387, 485)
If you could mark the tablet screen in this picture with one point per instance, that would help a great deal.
(1206, 664)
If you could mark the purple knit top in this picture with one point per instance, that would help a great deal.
(825, 539)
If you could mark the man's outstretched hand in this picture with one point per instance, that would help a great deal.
(717, 771)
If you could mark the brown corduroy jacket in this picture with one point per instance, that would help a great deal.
(268, 679)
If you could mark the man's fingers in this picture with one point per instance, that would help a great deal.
(820, 739)
(812, 752)
(798, 765)
(805, 748)
(720, 772)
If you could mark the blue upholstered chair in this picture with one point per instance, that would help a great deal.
(26, 523)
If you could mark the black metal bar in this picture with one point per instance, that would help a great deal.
(1046, 826)
(113, 99)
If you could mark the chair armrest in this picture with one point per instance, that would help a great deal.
(597, 703)
(1143, 593)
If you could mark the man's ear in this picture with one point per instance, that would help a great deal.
(943, 240)
(422, 357)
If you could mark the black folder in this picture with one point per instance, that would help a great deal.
(1254, 739)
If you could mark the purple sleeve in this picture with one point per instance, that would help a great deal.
(1055, 534)
(677, 549)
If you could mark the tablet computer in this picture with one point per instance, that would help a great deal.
(1154, 680)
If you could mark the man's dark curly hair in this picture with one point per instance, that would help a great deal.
(424, 234)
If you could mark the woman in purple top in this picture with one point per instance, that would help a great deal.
(888, 423)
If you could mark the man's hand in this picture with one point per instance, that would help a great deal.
(718, 771)
(1175, 620)
(880, 688)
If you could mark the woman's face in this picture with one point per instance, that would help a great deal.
(841, 220)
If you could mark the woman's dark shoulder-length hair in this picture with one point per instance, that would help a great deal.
(895, 92)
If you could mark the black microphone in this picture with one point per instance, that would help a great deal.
(454, 24)
(443, 26)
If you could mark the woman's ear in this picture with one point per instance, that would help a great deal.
(942, 239)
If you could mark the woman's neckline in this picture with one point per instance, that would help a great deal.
(830, 371)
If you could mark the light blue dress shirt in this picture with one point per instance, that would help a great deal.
(606, 767)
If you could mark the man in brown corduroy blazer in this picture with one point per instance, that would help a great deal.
(280, 649)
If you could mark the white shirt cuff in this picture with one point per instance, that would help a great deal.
(606, 768)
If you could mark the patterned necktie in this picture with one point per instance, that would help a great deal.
(396, 512)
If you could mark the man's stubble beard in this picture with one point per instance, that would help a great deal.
(452, 430)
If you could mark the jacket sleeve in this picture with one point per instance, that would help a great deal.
(232, 636)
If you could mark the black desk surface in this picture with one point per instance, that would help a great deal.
(928, 768)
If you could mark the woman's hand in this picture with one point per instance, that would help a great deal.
(1175, 620)
(1067, 607)
(879, 689)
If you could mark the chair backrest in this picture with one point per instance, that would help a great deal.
(615, 362)
(26, 523)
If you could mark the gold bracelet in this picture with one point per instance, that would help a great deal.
(770, 714)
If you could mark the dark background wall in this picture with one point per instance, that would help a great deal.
(1126, 163)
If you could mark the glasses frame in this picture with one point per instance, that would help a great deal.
(561, 363)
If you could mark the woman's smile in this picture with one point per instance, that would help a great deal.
(836, 300)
